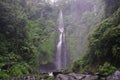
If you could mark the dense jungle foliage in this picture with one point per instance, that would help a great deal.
(25, 30)
(103, 50)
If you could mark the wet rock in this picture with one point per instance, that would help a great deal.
(33, 78)
(91, 77)
(76, 76)
(56, 73)
(88, 73)
(114, 76)
(100, 75)
(27, 78)
(70, 76)
(62, 77)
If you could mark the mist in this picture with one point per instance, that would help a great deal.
(59, 39)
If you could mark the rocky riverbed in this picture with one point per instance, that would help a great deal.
(70, 76)
(97, 76)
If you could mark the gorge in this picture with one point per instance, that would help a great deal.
(66, 37)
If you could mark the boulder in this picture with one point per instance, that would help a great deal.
(70, 76)
(56, 73)
(62, 77)
(91, 77)
(114, 76)
(76, 76)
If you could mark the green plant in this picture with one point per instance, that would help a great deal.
(19, 69)
(107, 69)
(78, 66)
(3, 74)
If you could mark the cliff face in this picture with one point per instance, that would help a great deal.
(104, 41)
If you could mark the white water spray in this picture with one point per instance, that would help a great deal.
(61, 54)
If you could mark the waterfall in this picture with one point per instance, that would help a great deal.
(61, 53)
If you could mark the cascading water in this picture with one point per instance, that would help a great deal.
(61, 54)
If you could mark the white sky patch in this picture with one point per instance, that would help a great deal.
(53, 1)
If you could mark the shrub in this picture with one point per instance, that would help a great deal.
(107, 69)
(19, 69)
(78, 66)
(3, 74)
